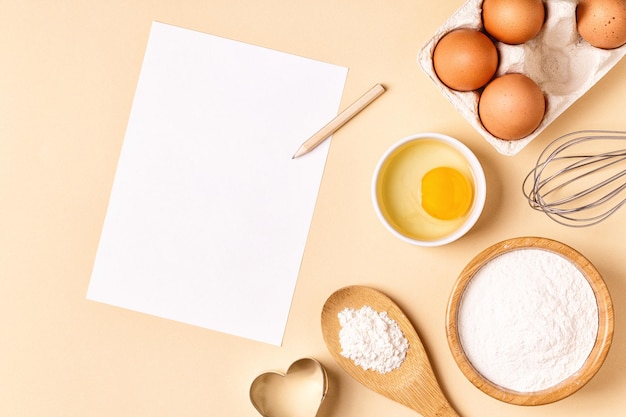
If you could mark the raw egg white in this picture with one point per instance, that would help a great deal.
(602, 23)
(511, 106)
(465, 59)
(513, 21)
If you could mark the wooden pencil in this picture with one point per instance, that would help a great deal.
(341, 119)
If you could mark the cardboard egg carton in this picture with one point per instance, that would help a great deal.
(563, 65)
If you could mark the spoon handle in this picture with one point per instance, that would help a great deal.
(443, 409)
(425, 397)
(446, 411)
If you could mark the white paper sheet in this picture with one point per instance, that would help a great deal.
(209, 214)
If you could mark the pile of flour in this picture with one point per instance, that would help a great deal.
(527, 320)
(371, 339)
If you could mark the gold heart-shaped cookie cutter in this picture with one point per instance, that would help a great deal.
(299, 392)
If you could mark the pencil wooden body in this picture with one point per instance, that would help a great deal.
(341, 119)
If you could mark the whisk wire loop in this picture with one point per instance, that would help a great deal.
(564, 183)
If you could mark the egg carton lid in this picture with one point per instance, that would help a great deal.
(562, 64)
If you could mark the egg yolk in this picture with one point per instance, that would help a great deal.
(446, 193)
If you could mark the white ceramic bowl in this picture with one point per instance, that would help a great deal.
(396, 188)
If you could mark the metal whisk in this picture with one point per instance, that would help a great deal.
(579, 179)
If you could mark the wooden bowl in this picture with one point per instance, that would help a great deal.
(572, 383)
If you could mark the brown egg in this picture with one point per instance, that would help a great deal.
(513, 21)
(602, 23)
(465, 59)
(511, 106)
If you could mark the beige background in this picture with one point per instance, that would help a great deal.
(68, 70)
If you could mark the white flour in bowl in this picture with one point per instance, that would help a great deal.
(527, 320)
(371, 339)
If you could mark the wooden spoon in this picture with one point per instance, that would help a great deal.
(413, 383)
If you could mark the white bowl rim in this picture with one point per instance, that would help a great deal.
(480, 188)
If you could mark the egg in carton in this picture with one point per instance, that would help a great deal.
(562, 64)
